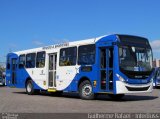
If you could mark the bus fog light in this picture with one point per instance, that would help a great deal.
(120, 78)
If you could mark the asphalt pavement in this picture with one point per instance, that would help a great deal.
(17, 101)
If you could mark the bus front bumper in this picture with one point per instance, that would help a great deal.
(124, 88)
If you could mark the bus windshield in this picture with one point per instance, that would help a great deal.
(133, 58)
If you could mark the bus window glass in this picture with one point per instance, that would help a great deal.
(68, 56)
(135, 59)
(30, 60)
(86, 54)
(8, 63)
(40, 60)
(21, 61)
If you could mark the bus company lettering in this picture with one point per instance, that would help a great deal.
(55, 46)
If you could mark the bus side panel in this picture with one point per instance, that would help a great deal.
(91, 76)
(23, 75)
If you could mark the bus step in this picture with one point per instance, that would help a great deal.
(12, 86)
(105, 92)
(51, 90)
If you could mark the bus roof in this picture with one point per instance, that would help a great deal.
(62, 45)
(55, 47)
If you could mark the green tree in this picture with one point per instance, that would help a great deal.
(2, 69)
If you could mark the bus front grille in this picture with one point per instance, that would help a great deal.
(137, 89)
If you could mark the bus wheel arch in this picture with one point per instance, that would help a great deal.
(85, 89)
(83, 79)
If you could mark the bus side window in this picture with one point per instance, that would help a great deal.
(14, 64)
(8, 63)
(30, 60)
(21, 61)
(40, 60)
(86, 54)
(68, 56)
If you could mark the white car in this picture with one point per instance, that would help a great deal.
(2, 81)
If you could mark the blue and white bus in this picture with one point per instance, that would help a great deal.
(113, 64)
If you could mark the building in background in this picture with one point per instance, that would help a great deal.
(156, 63)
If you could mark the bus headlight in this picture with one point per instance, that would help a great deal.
(120, 78)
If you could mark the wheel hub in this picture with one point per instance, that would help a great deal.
(87, 90)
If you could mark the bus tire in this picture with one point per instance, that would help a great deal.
(30, 88)
(116, 96)
(86, 90)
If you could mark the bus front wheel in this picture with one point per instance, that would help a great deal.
(86, 90)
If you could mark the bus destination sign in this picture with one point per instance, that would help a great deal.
(55, 46)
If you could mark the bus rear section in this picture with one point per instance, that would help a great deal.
(26, 70)
(11, 69)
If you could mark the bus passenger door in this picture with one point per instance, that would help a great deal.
(106, 69)
(52, 70)
(13, 70)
